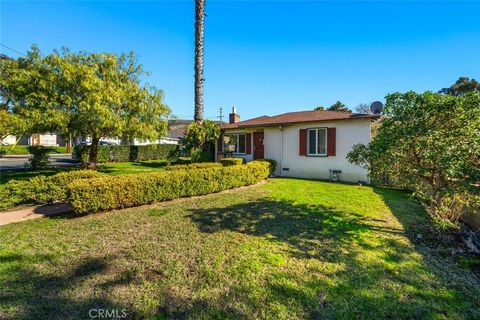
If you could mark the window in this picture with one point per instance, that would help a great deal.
(235, 142)
(317, 142)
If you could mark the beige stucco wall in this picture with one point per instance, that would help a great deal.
(348, 133)
(286, 154)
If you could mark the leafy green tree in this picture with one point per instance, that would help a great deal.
(11, 124)
(200, 138)
(338, 106)
(462, 86)
(429, 143)
(319, 108)
(91, 94)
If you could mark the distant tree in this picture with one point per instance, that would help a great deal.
(363, 108)
(461, 86)
(98, 95)
(338, 106)
(319, 108)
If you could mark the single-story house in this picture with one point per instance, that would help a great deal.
(44, 139)
(176, 132)
(306, 144)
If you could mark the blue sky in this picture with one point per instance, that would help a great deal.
(266, 57)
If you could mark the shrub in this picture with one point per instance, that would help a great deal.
(41, 189)
(3, 151)
(39, 157)
(111, 153)
(232, 161)
(112, 192)
(199, 156)
(118, 153)
(428, 143)
(272, 163)
(191, 166)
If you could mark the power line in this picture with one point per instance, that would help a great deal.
(12, 49)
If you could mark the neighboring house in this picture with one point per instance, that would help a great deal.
(306, 144)
(9, 140)
(175, 134)
(176, 131)
(44, 139)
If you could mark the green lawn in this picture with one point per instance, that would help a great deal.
(132, 167)
(285, 249)
(21, 150)
(27, 174)
(108, 168)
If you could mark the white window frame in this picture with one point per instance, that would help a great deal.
(316, 142)
(238, 141)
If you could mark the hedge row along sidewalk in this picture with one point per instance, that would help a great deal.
(115, 192)
(125, 153)
(41, 189)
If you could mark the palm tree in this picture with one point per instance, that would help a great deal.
(199, 28)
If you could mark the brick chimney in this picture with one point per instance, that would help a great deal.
(233, 117)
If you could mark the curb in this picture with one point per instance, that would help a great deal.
(19, 156)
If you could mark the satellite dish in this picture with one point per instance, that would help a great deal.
(376, 107)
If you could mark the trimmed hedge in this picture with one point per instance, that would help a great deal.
(201, 165)
(114, 192)
(232, 161)
(41, 189)
(273, 164)
(110, 153)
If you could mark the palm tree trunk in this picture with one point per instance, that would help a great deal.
(199, 28)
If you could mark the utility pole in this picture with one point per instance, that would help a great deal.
(221, 115)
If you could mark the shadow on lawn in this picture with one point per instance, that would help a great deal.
(380, 275)
(33, 295)
(153, 165)
(307, 228)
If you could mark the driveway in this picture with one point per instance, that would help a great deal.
(12, 163)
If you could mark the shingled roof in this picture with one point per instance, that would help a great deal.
(297, 117)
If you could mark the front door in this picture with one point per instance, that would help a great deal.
(258, 145)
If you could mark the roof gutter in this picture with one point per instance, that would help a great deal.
(372, 117)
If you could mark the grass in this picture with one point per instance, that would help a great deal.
(287, 249)
(26, 174)
(22, 150)
(108, 168)
(132, 167)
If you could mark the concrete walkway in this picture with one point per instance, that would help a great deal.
(33, 213)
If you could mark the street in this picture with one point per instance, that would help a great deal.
(18, 163)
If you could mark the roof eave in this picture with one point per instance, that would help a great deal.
(372, 117)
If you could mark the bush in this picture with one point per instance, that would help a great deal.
(39, 157)
(272, 163)
(41, 189)
(232, 161)
(199, 156)
(191, 166)
(117, 153)
(113, 192)
(110, 153)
